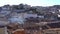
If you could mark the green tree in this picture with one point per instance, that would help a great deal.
(21, 6)
(34, 10)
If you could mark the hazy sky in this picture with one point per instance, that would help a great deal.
(31, 2)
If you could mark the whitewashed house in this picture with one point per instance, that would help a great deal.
(16, 18)
(20, 17)
(30, 15)
(5, 11)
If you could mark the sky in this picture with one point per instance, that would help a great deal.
(31, 2)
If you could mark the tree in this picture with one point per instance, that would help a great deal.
(21, 6)
(15, 7)
(34, 10)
